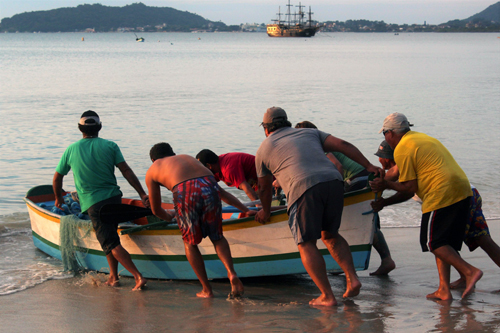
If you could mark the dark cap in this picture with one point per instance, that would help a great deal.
(385, 151)
(89, 118)
(274, 114)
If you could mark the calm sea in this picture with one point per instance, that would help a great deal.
(200, 91)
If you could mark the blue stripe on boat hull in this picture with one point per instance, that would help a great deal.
(164, 269)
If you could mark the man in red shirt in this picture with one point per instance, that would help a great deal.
(234, 169)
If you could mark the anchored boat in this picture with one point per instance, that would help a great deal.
(157, 248)
(293, 25)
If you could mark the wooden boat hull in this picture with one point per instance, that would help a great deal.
(257, 250)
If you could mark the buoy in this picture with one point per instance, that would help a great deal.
(83, 39)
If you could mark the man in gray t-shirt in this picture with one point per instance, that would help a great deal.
(314, 190)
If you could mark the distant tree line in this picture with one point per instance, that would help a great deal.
(104, 18)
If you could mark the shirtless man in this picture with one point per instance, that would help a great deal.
(197, 208)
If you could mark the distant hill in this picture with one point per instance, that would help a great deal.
(487, 20)
(492, 13)
(105, 18)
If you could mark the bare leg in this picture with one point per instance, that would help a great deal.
(339, 250)
(443, 293)
(194, 257)
(113, 280)
(224, 252)
(492, 250)
(123, 257)
(315, 266)
(448, 255)
(490, 247)
(387, 264)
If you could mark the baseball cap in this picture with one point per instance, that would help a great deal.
(385, 151)
(395, 121)
(273, 114)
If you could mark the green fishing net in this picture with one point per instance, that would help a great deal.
(71, 233)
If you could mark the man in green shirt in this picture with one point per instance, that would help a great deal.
(93, 162)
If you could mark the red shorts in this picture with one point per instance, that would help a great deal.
(198, 209)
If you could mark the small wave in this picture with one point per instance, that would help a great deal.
(7, 232)
(21, 279)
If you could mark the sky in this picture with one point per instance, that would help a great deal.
(263, 11)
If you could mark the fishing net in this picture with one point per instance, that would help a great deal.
(72, 232)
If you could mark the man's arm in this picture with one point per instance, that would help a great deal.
(266, 196)
(392, 174)
(335, 144)
(380, 184)
(245, 186)
(155, 199)
(132, 179)
(57, 182)
(399, 197)
(233, 201)
(335, 161)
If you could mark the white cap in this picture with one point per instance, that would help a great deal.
(395, 121)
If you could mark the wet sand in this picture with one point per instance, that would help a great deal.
(386, 304)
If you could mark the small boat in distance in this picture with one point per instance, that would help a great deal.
(139, 39)
(292, 27)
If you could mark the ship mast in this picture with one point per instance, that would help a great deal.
(279, 16)
(310, 15)
(301, 13)
(288, 12)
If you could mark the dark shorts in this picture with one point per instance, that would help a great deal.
(106, 233)
(198, 209)
(445, 226)
(476, 225)
(318, 209)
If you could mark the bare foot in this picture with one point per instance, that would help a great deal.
(386, 266)
(323, 301)
(459, 284)
(112, 283)
(471, 282)
(237, 288)
(352, 289)
(205, 294)
(140, 284)
(439, 294)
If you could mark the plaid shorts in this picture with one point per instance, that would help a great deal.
(198, 209)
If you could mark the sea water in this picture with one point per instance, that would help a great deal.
(199, 91)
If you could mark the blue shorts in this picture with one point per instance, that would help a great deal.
(318, 209)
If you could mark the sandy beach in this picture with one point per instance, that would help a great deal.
(386, 304)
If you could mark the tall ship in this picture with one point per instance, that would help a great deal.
(294, 24)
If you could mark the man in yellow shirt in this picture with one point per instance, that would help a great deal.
(428, 169)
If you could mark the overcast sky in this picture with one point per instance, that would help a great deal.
(262, 11)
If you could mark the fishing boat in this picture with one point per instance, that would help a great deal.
(292, 27)
(157, 248)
